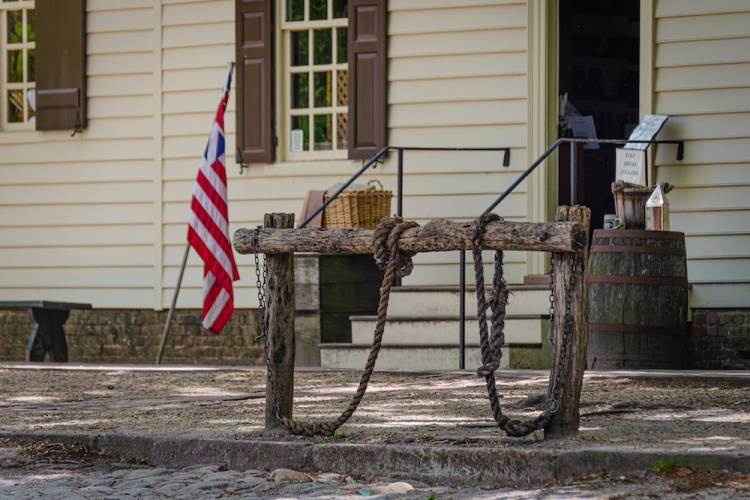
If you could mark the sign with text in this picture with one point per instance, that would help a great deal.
(646, 131)
(631, 166)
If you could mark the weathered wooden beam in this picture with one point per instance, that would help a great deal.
(571, 297)
(436, 236)
(280, 329)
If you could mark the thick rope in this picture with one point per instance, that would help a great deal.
(491, 346)
(395, 263)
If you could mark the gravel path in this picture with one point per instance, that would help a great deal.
(50, 470)
(429, 408)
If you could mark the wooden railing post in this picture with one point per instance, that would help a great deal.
(280, 321)
(570, 371)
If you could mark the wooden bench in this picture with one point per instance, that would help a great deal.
(48, 335)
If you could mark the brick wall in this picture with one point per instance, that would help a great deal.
(719, 339)
(132, 336)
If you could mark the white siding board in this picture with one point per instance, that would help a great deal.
(119, 43)
(80, 214)
(83, 277)
(121, 85)
(458, 19)
(198, 13)
(53, 194)
(481, 112)
(679, 8)
(457, 89)
(703, 77)
(704, 101)
(119, 64)
(735, 50)
(479, 136)
(82, 256)
(709, 126)
(457, 66)
(119, 20)
(37, 236)
(198, 35)
(436, 44)
(705, 27)
(75, 172)
(98, 297)
(120, 128)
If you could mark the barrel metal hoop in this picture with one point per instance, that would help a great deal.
(638, 233)
(640, 280)
(627, 249)
(620, 328)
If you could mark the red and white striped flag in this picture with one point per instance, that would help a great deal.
(208, 229)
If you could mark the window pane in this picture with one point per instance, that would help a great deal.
(322, 46)
(295, 10)
(15, 106)
(342, 88)
(342, 129)
(342, 44)
(15, 26)
(300, 90)
(30, 66)
(15, 66)
(323, 136)
(31, 103)
(30, 25)
(318, 10)
(300, 125)
(323, 87)
(340, 8)
(299, 48)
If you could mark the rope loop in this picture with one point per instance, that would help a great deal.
(385, 245)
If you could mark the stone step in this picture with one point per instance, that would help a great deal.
(417, 357)
(424, 301)
(444, 329)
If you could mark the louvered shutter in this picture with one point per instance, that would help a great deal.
(256, 139)
(60, 64)
(368, 105)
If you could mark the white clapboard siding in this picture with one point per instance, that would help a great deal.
(77, 213)
(702, 79)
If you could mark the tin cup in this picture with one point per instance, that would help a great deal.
(611, 221)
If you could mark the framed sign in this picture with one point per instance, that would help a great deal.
(646, 131)
(631, 166)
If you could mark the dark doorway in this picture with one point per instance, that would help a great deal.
(598, 70)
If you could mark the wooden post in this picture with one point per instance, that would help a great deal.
(280, 321)
(570, 372)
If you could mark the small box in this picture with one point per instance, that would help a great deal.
(657, 210)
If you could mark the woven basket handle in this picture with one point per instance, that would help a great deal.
(374, 184)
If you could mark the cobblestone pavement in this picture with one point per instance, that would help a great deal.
(50, 470)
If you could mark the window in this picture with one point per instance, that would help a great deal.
(17, 61)
(316, 86)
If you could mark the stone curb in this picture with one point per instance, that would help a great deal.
(446, 464)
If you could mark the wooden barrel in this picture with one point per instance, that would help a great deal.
(638, 300)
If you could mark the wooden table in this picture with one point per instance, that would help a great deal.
(48, 335)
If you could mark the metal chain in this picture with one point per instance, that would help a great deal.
(551, 332)
(260, 283)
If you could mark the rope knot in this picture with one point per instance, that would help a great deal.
(385, 245)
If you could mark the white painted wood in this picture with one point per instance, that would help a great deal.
(426, 331)
(406, 301)
(423, 358)
(458, 19)
(679, 8)
(721, 51)
(704, 27)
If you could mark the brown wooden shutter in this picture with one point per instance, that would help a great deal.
(256, 138)
(368, 105)
(60, 64)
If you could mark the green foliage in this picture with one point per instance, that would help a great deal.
(339, 434)
(664, 465)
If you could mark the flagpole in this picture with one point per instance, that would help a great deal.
(168, 323)
(170, 315)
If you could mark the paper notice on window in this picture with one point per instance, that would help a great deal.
(583, 127)
(631, 166)
(297, 140)
(647, 130)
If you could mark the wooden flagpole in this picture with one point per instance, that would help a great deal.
(168, 323)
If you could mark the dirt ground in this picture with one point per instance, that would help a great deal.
(634, 411)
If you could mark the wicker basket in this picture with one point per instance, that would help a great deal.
(358, 209)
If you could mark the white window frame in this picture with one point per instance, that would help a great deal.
(286, 102)
(5, 86)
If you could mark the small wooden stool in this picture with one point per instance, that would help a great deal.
(48, 335)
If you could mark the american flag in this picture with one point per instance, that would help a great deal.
(208, 229)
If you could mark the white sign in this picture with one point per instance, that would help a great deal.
(631, 166)
(297, 140)
(583, 126)
(646, 131)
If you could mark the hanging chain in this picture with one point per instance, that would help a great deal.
(260, 282)
(551, 329)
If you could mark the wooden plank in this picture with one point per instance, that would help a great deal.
(41, 194)
(119, 64)
(676, 8)
(437, 236)
(453, 114)
(213, 56)
(280, 333)
(707, 27)
(706, 175)
(77, 256)
(120, 42)
(121, 106)
(703, 77)
(571, 336)
(198, 35)
(40, 236)
(706, 152)
(76, 215)
(119, 20)
(458, 89)
(457, 66)
(709, 52)
(198, 13)
(120, 85)
(458, 19)
(703, 101)
(435, 44)
(116, 298)
(457, 136)
(74, 172)
(709, 126)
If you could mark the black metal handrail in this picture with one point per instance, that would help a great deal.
(372, 162)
